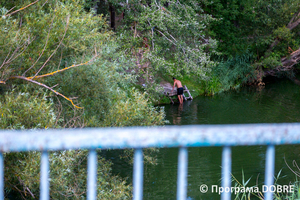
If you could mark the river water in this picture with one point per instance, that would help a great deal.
(277, 102)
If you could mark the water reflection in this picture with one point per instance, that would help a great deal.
(177, 116)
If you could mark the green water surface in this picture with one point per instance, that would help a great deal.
(277, 102)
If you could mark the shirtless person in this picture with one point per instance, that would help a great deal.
(179, 89)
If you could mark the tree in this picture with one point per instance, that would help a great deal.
(31, 49)
(167, 38)
(266, 30)
(57, 44)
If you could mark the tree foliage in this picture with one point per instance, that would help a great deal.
(168, 38)
(245, 24)
(267, 30)
(22, 110)
(53, 53)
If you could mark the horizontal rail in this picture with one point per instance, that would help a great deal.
(144, 137)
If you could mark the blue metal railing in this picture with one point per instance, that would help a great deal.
(145, 137)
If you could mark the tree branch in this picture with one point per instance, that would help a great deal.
(166, 37)
(43, 49)
(291, 25)
(61, 70)
(287, 63)
(7, 15)
(4, 62)
(16, 51)
(45, 86)
(68, 20)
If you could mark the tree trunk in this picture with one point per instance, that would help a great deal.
(287, 64)
(291, 25)
(291, 60)
(112, 17)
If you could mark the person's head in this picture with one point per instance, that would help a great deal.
(174, 79)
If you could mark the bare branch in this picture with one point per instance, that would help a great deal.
(54, 86)
(166, 37)
(61, 70)
(171, 36)
(45, 3)
(20, 191)
(292, 24)
(21, 8)
(59, 110)
(30, 192)
(61, 55)
(30, 79)
(10, 10)
(13, 57)
(43, 49)
(68, 20)
(45, 86)
(17, 49)
(4, 62)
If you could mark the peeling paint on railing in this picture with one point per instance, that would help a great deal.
(143, 137)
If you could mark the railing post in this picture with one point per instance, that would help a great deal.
(1, 177)
(182, 173)
(138, 170)
(226, 172)
(269, 171)
(92, 175)
(44, 182)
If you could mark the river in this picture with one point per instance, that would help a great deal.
(277, 102)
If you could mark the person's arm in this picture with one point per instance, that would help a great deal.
(173, 88)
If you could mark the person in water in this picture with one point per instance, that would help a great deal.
(179, 89)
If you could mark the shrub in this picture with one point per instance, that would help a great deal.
(22, 110)
(68, 172)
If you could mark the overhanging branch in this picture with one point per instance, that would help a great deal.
(61, 70)
(45, 86)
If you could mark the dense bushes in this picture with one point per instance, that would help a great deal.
(45, 39)
(22, 110)
(68, 172)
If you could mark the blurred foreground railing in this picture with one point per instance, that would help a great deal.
(144, 137)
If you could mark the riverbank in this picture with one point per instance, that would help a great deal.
(196, 89)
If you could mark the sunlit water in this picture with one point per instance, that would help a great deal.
(276, 103)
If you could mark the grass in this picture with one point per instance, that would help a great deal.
(295, 195)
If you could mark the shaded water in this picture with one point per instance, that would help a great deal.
(278, 102)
